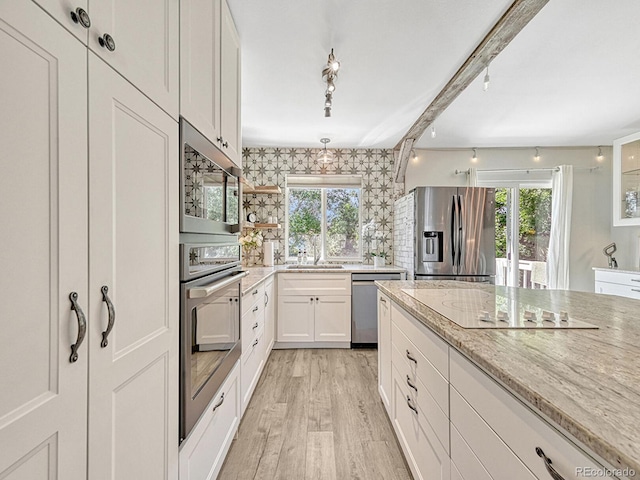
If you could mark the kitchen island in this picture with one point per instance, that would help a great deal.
(582, 382)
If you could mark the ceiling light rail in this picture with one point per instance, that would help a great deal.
(329, 75)
(526, 170)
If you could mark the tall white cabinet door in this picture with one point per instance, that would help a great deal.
(133, 246)
(43, 246)
(333, 318)
(145, 34)
(230, 83)
(384, 350)
(200, 65)
(62, 11)
(295, 318)
(269, 314)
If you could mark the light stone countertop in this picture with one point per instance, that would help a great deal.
(616, 270)
(259, 274)
(586, 381)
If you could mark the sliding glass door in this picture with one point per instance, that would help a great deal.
(523, 225)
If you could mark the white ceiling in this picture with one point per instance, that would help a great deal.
(570, 78)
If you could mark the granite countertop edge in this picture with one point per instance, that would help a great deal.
(259, 274)
(454, 336)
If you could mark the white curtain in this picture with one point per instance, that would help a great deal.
(560, 236)
(473, 177)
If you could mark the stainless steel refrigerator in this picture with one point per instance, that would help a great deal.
(454, 233)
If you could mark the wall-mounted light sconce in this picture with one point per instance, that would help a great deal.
(474, 159)
(414, 156)
(536, 157)
(600, 157)
(433, 131)
(330, 74)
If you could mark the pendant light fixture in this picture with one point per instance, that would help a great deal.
(433, 131)
(600, 157)
(325, 156)
(474, 159)
(330, 74)
(537, 155)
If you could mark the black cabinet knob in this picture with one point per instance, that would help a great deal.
(81, 17)
(107, 41)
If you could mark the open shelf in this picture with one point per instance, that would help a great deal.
(267, 225)
(250, 189)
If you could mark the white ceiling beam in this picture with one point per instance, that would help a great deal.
(519, 14)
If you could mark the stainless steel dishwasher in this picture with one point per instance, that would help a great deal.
(364, 307)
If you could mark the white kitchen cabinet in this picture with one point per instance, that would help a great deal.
(106, 219)
(203, 453)
(270, 314)
(314, 308)
(252, 363)
(613, 282)
(332, 315)
(210, 73)
(295, 318)
(133, 199)
(43, 399)
(384, 350)
(145, 40)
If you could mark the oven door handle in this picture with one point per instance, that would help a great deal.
(203, 292)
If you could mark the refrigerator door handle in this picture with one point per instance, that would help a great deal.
(453, 231)
(460, 231)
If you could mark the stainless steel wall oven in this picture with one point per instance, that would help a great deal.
(210, 306)
(210, 197)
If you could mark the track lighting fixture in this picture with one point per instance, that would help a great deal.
(330, 74)
(475, 156)
(600, 157)
(433, 131)
(537, 155)
(487, 80)
(325, 156)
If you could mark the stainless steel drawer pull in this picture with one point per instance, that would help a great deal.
(82, 326)
(255, 343)
(411, 384)
(255, 292)
(266, 299)
(112, 316)
(255, 309)
(410, 357)
(383, 300)
(548, 464)
(635, 290)
(635, 279)
(215, 407)
(410, 405)
(255, 325)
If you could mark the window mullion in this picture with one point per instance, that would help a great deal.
(323, 224)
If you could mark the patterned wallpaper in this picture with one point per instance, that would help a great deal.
(270, 166)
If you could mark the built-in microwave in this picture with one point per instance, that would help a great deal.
(210, 196)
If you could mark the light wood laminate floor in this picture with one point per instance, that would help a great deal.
(316, 414)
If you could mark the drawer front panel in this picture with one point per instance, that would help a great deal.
(421, 369)
(253, 298)
(515, 423)
(491, 451)
(618, 277)
(428, 343)
(466, 463)
(314, 284)
(629, 291)
(424, 453)
(429, 413)
(252, 360)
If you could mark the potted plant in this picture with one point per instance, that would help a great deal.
(379, 259)
(250, 241)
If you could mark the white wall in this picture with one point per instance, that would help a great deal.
(591, 225)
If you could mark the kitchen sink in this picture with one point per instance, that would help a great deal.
(314, 267)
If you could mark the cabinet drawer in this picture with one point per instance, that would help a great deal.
(429, 413)
(251, 323)
(203, 452)
(253, 298)
(432, 348)
(314, 284)
(618, 277)
(513, 422)
(252, 361)
(425, 455)
(629, 291)
(496, 457)
(465, 465)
